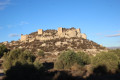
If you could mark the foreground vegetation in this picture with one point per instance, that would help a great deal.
(67, 60)
(22, 65)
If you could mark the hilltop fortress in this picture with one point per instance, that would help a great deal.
(53, 34)
(56, 41)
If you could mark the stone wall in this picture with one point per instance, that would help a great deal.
(41, 38)
(60, 30)
(48, 35)
(84, 36)
(78, 30)
(71, 33)
(68, 33)
(24, 38)
(40, 31)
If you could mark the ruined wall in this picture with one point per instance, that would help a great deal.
(48, 35)
(84, 36)
(78, 30)
(24, 38)
(40, 31)
(71, 33)
(42, 38)
(68, 33)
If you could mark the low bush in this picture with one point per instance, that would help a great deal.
(85, 58)
(3, 49)
(67, 59)
(38, 65)
(41, 53)
(15, 56)
(117, 52)
(24, 72)
(108, 59)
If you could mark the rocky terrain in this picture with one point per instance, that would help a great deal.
(56, 45)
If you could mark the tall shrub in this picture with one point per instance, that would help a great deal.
(108, 59)
(3, 49)
(17, 55)
(68, 58)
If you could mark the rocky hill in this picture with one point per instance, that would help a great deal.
(53, 41)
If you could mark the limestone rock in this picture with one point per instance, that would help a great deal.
(58, 43)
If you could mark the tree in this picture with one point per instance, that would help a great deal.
(67, 59)
(17, 55)
(3, 49)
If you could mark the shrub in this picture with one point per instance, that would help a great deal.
(83, 58)
(17, 55)
(41, 53)
(38, 65)
(3, 49)
(59, 64)
(107, 59)
(62, 75)
(116, 51)
(24, 72)
(67, 59)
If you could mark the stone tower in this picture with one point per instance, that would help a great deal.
(40, 31)
(60, 30)
(78, 30)
(84, 36)
(24, 37)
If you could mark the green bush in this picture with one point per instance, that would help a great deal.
(108, 59)
(117, 52)
(3, 49)
(67, 59)
(83, 58)
(37, 65)
(15, 56)
(41, 53)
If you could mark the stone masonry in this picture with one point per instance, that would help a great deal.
(60, 30)
(53, 34)
(40, 31)
(24, 38)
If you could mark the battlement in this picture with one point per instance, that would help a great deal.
(53, 34)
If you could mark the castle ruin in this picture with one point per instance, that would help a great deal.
(53, 34)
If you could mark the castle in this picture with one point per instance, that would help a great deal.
(53, 34)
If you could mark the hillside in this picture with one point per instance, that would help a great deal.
(53, 41)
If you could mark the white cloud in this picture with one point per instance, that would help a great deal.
(115, 35)
(14, 35)
(4, 3)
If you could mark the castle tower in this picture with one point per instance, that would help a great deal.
(84, 36)
(60, 30)
(24, 37)
(40, 31)
(78, 30)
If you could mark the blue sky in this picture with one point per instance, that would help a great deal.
(99, 19)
